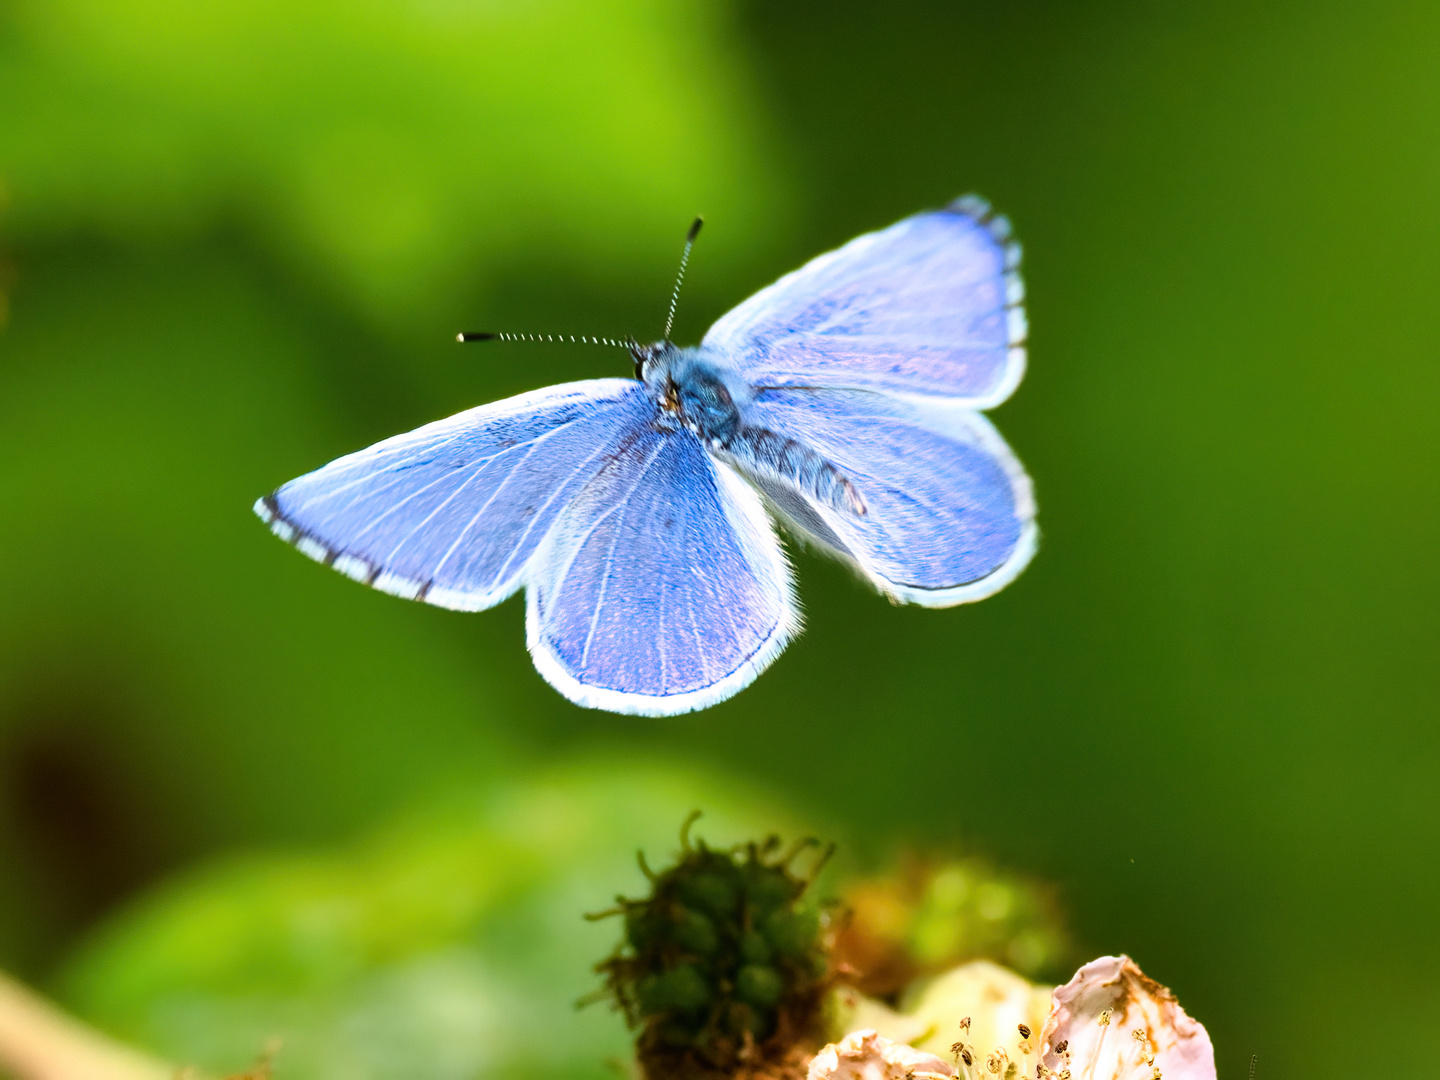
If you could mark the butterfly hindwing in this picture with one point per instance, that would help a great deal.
(662, 587)
(452, 512)
(930, 307)
(949, 511)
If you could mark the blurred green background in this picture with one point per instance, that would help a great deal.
(236, 241)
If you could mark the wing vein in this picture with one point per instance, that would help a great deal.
(610, 556)
(531, 447)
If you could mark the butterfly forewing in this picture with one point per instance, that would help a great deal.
(931, 307)
(451, 512)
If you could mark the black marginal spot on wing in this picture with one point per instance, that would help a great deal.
(983, 214)
(299, 537)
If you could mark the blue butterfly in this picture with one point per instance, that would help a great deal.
(845, 399)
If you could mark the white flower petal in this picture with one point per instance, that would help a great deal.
(997, 1001)
(864, 1055)
(1180, 1046)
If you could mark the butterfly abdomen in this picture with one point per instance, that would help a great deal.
(770, 454)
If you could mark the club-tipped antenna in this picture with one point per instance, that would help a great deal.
(564, 339)
(680, 277)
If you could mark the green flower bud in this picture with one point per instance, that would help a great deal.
(681, 989)
(712, 891)
(694, 932)
(769, 888)
(641, 928)
(758, 985)
(754, 949)
(792, 932)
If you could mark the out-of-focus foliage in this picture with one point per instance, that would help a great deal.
(930, 915)
(450, 944)
(396, 150)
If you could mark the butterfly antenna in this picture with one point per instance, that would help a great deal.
(581, 339)
(680, 277)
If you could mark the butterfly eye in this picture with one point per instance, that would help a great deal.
(642, 355)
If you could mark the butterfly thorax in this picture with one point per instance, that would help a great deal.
(694, 391)
(697, 391)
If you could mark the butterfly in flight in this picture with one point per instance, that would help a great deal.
(843, 401)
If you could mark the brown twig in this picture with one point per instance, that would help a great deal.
(39, 1042)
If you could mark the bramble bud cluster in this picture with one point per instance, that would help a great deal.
(723, 958)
